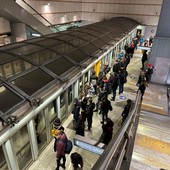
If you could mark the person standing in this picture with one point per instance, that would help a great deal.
(144, 58)
(105, 107)
(80, 126)
(76, 110)
(107, 131)
(60, 148)
(142, 88)
(90, 108)
(57, 126)
(126, 110)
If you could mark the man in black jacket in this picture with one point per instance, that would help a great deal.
(126, 110)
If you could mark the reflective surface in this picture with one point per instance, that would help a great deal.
(22, 148)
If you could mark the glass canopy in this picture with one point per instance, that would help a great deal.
(28, 67)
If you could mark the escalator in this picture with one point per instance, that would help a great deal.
(13, 12)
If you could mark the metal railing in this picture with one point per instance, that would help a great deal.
(121, 146)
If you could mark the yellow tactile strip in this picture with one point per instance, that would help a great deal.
(153, 144)
(153, 108)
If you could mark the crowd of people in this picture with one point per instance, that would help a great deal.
(109, 81)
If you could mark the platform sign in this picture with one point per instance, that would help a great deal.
(122, 97)
(88, 144)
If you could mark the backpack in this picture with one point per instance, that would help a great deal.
(69, 146)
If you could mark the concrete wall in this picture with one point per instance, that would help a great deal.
(160, 57)
(145, 12)
(4, 26)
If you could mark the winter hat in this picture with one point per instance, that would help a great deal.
(57, 123)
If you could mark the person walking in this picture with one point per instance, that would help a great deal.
(144, 59)
(60, 148)
(126, 110)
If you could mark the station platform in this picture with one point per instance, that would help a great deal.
(152, 144)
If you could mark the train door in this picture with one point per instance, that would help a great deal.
(21, 147)
(86, 80)
(97, 67)
(80, 87)
(51, 114)
(41, 130)
(70, 98)
(63, 104)
(3, 162)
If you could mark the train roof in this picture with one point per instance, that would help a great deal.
(37, 67)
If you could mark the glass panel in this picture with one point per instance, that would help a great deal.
(22, 148)
(49, 42)
(77, 41)
(63, 48)
(77, 56)
(15, 67)
(62, 104)
(51, 110)
(89, 48)
(1, 72)
(98, 43)
(40, 128)
(28, 49)
(59, 63)
(30, 80)
(86, 77)
(8, 99)
(70, 95)
(80, 85)
(3, 165)
(88, 37)
(41, 56)
(8, 70)
(5, 57)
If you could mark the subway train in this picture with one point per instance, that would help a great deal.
(41, 77)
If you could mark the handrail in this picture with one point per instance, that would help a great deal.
(105, 159)
(40, 15)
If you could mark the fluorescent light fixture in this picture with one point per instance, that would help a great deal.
(36, 35)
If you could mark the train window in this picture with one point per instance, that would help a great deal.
(40, 128)
(1, 72)
(86, 77)
(22, 147)
(80, 85)
(3, 164)
(51, 110)
(70, 95)
(8, 70)
(62, 100)
(62, 104)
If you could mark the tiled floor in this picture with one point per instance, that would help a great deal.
(152, 147)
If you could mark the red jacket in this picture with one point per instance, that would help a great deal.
(61, 145)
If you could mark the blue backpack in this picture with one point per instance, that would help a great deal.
(69, 146)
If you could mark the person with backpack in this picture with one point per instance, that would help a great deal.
(60, 148)
(56, 126)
